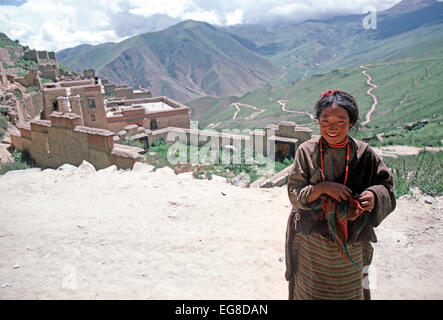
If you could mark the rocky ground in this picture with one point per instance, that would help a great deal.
(156, 235)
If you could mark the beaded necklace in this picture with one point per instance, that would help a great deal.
(338, 145)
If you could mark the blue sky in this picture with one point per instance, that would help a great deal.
(55, 25)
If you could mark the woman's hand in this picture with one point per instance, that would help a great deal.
(338, 191)
(367, 200)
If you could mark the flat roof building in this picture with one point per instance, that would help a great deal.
(86, 98)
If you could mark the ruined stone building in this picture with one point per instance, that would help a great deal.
(86, 98)
(3, 79)
(47, 63)
(87, 118)
(63, 139)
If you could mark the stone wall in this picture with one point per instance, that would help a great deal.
(260, 140)
(43, 55)
(31, 55)
(62, 139)
(171, 118)
(3, 79)
(124, 92)
(109, 88)
(138, 94)
(33, 104)
(179, 118)
(49, 71)
(39, 56)
(32, 79)
(89, 73)
(92, 116)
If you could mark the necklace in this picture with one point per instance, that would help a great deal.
(339, 145)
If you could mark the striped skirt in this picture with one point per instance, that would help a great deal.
(320, 272)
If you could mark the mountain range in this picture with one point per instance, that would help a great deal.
(209, 68)
(185, 61)
(193, 59)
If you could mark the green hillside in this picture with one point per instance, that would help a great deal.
(313, 47)
(409, 90)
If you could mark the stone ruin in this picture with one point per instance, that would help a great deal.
(3, 79)
(47, 63)
(89, 73)
(62, 139)
(32, 79)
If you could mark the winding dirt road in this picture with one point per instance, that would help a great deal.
(238, 109)
(369, 92)
(252, 116)
(283, 107)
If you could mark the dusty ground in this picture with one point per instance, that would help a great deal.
(144, 235)
(390, 151)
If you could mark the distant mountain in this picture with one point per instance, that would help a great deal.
(194, 59)
(66, 53)
(409, 5)
(185, 61)
(404, 57)
(316, 46)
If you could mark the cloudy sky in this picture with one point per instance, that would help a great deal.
(57, 24)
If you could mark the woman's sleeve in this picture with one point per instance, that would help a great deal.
(383, 190)
(299, 187)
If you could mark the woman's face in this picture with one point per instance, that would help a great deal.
(334, 124)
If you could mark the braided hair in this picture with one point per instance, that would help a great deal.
(340, 98)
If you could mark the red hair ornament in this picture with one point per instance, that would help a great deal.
(329, 93)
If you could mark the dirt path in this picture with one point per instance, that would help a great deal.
(283, 107)
(236, 112)
(369, 92)
(252, 116)
(157, 235)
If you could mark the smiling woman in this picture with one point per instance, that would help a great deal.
(340, 190)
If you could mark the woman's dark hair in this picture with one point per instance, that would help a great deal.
(339, 98)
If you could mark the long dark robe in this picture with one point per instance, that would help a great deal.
(367, 171)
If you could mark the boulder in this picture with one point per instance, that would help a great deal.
(132, 129)
(165, 170)
(49, 172)
(67, 167)
(266, 184)
(139, 166)
(110, 169)
(85, 167)
(31, 170)
(241, 180)
(13, 173)
(122, 134)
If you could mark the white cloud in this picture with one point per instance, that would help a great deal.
(57, 24)
(234, 17)
(172, 8)
(203, 15)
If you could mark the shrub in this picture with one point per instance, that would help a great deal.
(18, 164)
(423, 171)
(133, 143)
(279, 166)
(10, 166)
(3, 126)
